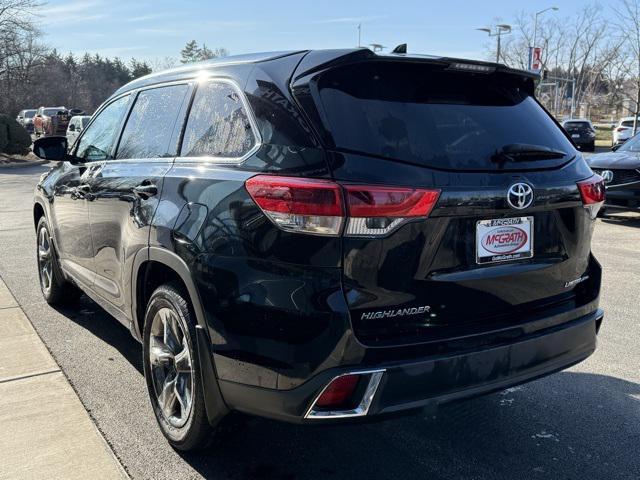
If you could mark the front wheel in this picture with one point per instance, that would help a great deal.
(55, 288)
(172, 370)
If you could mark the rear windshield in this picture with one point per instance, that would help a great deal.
(425, 115)
(576, 125)
(85, 121)
(627, 123)
(49, 112)
(29, 114)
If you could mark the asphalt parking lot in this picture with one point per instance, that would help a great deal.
(581, 423)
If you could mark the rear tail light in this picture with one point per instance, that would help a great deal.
(338, 392)
(321, 206)
(377, 210)
(592, 192)
(299, 205)
(621, 129)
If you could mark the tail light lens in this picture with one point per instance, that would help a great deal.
(620, 129)
(338, 392)
(319, 206)
(299, 205)
(592, 190)
(375, 210)
(593, 194)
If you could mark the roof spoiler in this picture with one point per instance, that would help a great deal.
(318, 60)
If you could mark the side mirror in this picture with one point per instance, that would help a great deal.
(615, 147)
(72, 128)
(51, 148)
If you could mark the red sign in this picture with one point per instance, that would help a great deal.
(535, 59)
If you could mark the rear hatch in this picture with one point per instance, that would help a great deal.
(483, 258)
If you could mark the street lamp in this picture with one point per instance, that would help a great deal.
(535, 22)
(501, 29)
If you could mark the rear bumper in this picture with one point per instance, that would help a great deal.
(435, 380)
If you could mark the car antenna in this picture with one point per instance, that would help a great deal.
(401, 49)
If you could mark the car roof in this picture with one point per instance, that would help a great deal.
(313, 59)
(576, 120)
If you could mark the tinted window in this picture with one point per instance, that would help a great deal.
(97, 140)
(85, 121)
(631, 145)
(29, 114)
(577, 125)
(218, 125)
(627, 123)
(149, 128)
(49, 112)
(429, 116)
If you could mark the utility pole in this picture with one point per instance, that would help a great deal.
(359, 34)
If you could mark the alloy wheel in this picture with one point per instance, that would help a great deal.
(45, 260)
(171, 367)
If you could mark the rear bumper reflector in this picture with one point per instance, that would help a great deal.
(372, 378)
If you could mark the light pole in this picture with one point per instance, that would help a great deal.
(535, 23)
(501, 29)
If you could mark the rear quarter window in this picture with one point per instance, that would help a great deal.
(218, 124)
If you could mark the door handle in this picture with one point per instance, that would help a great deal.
(82, 191)
(145, 190)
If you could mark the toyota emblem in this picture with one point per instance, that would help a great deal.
(520, 196)
(607, 176)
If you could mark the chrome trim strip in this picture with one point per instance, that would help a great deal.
(375, 376)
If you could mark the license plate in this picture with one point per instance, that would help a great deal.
(575, 135)
(504, 239)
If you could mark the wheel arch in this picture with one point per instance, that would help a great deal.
(38, 213)
(153, 267)
(169, 266)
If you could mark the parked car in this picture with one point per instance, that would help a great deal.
(25, 118)
(76, 125)
(582, 133)
(624, 130)
(620, 170)
(316, 236)
(51, 121)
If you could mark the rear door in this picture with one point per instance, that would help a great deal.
(508, 237)
(126, 189)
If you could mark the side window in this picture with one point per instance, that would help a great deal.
(149, 128)
(96, 142)
(218, 125)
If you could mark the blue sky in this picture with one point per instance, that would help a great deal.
(158, 28)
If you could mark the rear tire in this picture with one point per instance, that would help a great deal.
(55, 288)
(172, 369)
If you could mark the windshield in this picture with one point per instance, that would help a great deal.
(631, 145)
(29, 113)
(425, 115)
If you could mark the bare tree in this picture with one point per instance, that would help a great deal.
(579, 54)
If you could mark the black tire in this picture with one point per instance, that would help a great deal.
(196, 432)
(55, 288)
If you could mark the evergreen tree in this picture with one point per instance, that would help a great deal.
(191, 52)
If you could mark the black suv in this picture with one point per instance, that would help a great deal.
(315, 236)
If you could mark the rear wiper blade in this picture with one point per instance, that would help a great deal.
(523, 152)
